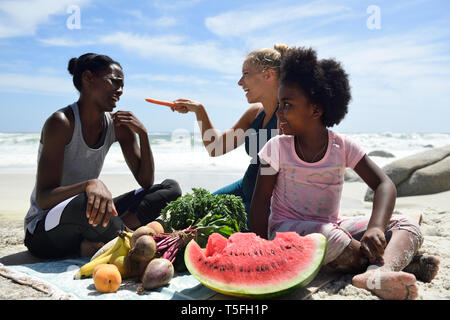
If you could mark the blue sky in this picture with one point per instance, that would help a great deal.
(398, 60)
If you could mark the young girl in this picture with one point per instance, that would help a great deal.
(302, 174)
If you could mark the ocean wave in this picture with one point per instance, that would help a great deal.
(19, 138)
(181, 150)
(412, 142)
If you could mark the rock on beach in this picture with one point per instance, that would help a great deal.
(423, 173)
(380, 153)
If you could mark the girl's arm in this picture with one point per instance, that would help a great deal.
(139, 158)
(260, 206)
(217, 143)
(385, 193)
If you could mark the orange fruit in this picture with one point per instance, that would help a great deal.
(155, 225)
(107, 278)
(98, 267)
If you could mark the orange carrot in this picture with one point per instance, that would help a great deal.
(164, 103)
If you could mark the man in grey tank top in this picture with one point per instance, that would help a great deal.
(72, 212)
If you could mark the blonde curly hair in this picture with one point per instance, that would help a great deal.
(268, 58)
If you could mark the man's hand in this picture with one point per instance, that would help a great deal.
(99, 203)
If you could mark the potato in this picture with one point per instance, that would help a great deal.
(139, 232)
(144, 249)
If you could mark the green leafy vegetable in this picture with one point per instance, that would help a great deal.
(207, 213)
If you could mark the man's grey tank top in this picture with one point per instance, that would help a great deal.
(81, 163)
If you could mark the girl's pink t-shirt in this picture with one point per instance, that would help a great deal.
(308, 191)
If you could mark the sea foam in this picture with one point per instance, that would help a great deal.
(182, 151)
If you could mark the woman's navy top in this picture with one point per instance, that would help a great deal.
(254, 141)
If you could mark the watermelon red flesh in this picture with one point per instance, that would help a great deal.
(216, 243)
(248, 265)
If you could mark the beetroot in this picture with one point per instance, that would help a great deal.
(168, 244)
(158, 273)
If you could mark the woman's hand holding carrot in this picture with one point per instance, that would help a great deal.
(185, 106)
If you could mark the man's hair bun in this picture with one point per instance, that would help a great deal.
(72, 65)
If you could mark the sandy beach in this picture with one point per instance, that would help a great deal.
(15, 190)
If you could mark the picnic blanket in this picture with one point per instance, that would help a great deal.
(56, 278)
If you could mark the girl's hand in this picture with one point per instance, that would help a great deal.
(127, 118)
(373, 243)
(99, 203)
(185, 106)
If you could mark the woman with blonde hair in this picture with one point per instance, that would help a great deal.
(260, 82)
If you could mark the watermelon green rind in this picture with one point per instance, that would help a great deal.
(272, 290)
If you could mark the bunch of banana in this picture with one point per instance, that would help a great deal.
(115, 254)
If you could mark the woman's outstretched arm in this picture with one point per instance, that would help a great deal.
(216, 142)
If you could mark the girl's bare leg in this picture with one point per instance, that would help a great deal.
(387, 280)
(425, 267)
(350, 260)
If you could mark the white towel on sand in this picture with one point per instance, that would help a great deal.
(56, 278)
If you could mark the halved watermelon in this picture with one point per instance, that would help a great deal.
(249, 266)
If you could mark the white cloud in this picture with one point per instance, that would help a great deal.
(401, 57)
(165, 21)
(178, 50)
(175, 4)
(47, 81)
(141, 19)
(65, 42)
(38, 84)
(394, 77)
(189, 79)
(241, 22)
(393, 74)
(390, 64)
(22, 18)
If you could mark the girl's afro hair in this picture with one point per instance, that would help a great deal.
(324, 82)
